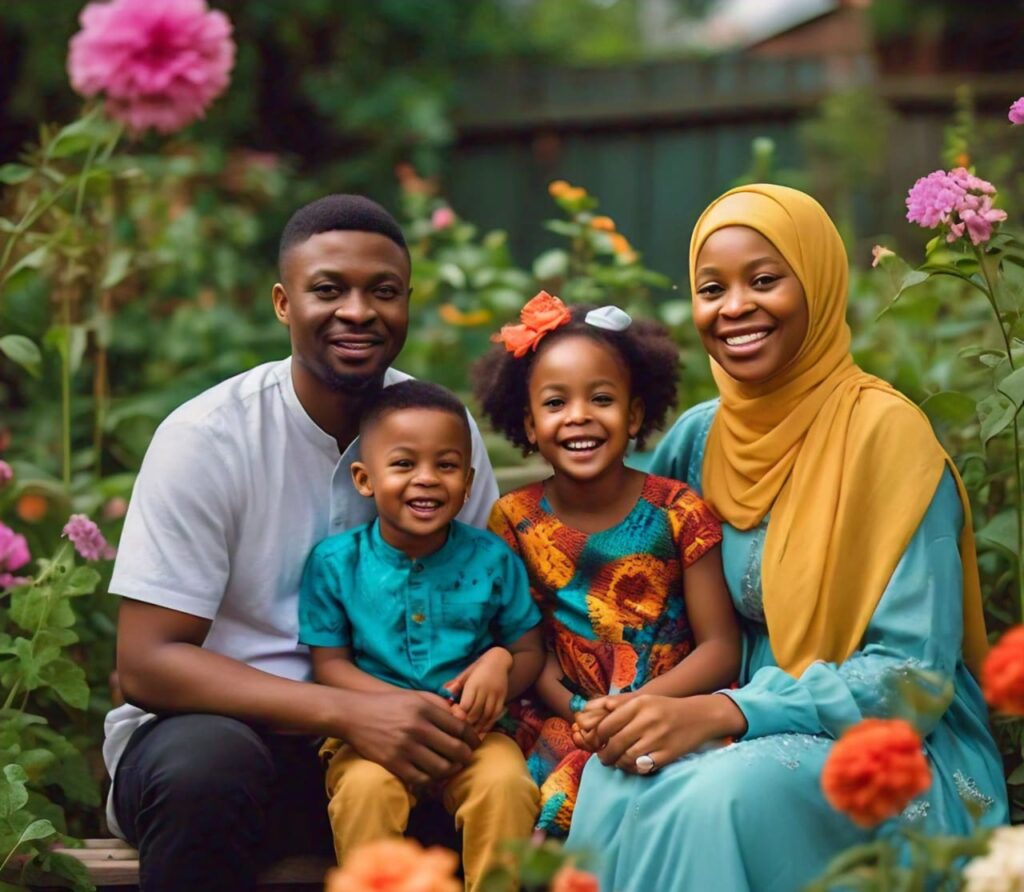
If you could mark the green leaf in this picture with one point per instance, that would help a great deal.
(1001, 532)
(1016, 776)
(950, 406)
(23, 351)
(68, 681)
(12, 174)
(82, 581)
(40, 829)
(13, 794)
(1012, 386)
(452, 274)
(80, 135)
(553, 264)
(995, 413)
(118, 266)
(69, 341)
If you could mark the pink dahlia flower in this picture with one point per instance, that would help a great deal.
(87, 538)
(442, 218)
(957, 200)
(932, 199)
(159, 63)
(1017, 112)
(14, 554)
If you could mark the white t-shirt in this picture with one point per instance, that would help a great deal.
(236, 488)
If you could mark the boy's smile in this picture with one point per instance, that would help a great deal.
(416, 465)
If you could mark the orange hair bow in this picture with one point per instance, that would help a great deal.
(543, 313)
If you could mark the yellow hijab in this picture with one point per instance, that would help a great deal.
(846, 465)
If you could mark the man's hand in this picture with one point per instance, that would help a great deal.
(482, 688)
(412, 734)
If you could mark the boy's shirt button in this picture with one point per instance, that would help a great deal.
(418, 617)
(417, 567)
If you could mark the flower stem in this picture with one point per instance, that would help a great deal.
(1018, 472)
(65, 389)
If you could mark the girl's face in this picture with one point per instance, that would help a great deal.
(748, 306)
(581, 415)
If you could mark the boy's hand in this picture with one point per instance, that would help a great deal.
(482, 689)
(584, 728)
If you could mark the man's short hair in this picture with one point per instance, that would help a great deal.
(414, 394)
(339, 212)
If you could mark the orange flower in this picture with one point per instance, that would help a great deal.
(603, 224)
(1002, 676)
(620, 244)
(396, 865)
(558, 188)
(571, 879)
(874, 770)
(454, 316)
(31, 507)
(543, 313)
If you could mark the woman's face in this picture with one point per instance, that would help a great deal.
(748, 306)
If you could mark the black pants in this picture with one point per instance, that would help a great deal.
(208, 801)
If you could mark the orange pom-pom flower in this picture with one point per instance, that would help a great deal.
(396, 865)
(543, 313)
(1002, 676)
(874, 770)
(571, 879)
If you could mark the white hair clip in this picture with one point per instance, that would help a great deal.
(610, 318)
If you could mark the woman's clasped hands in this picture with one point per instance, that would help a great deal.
(622, 727)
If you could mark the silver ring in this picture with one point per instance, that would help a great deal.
(645, 764)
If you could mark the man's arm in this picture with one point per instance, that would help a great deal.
(163, 668)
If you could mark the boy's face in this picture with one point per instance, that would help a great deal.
(416, 467)
(344, 296)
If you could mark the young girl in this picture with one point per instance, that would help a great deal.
(625, 566)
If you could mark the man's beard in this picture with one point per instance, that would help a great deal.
(349, 382)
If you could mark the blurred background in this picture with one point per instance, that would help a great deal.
(565, 144)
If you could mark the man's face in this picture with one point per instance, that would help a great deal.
(344, 296)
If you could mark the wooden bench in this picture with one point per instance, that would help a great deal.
(112, 862)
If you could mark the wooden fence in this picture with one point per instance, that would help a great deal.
(657, 141)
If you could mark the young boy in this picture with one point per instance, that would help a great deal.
(418, 600)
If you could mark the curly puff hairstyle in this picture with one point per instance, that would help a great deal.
(501, 382)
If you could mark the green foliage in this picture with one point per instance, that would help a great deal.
(36, 672)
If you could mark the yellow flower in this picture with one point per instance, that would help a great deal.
(603, 224)
(454, 316)
(557, 188)
(574, 193)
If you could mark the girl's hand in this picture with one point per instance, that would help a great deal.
(584, 726)
(482, 689)
(665, 728)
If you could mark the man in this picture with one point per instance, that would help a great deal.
(236, 488)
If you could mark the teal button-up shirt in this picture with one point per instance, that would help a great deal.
(414, 623)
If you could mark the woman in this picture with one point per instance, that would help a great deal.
(849, 555)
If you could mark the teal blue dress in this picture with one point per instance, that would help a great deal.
(751, 815)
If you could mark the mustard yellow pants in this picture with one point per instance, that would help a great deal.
(492, 799)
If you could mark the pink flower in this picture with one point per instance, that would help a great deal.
(978, 220)
(1017, 112)
(879, 253)
(87, 538)
(932, 199)
(115, 508)
(6, 474)
(159, 63)
(14, 554)
(442, 218)
(571, 879)
(958, 200)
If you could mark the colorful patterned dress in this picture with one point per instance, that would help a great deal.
(613, 611)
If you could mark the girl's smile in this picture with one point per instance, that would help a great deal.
(581, 414)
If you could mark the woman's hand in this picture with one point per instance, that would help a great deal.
(665, 728)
